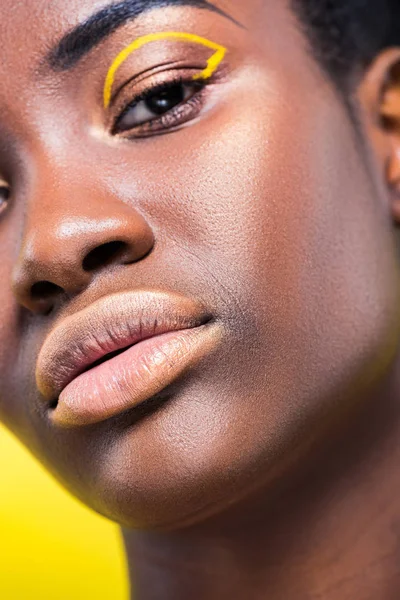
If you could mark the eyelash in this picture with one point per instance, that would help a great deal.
(183, 112)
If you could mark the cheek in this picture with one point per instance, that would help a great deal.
(275, 207)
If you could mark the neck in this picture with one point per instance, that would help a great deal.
(330, 530)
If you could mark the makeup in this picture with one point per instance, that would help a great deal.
(120, 351)
(212, 63)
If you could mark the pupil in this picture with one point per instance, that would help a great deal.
(165, 100)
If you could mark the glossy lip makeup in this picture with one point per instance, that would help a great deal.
(212, 63)
(119, 352)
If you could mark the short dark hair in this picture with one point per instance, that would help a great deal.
(346, 35)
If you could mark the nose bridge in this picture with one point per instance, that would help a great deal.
(75, 226)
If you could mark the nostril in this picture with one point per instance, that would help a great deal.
(42, 290)
(103, 255)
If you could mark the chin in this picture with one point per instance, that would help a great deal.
(183, 462)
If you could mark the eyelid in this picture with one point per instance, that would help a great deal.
(212, 63)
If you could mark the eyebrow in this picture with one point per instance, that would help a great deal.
(86, 36)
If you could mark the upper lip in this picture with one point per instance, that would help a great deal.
(110, 324)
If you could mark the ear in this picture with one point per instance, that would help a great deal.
(380, 95)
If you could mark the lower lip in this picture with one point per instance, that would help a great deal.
(132, 377)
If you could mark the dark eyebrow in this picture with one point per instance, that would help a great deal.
(86, 36)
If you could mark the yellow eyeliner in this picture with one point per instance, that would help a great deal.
(212, 62)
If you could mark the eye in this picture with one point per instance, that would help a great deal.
(4, 196)
(150, 107)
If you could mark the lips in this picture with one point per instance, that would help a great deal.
(119, 352)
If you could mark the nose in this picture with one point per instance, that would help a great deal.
(69, 241)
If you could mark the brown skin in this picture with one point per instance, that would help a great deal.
(272, 469)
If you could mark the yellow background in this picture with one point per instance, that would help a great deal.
(51, 546)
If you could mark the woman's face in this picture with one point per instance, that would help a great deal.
(249, 213)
